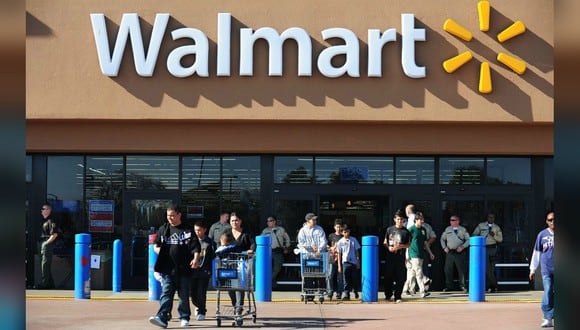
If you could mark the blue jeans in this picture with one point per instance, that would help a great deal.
(350, 277)
(170, 284)
(548, 298)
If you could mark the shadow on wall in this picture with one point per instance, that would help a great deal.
(393, 89)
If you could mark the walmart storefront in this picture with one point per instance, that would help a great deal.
(347, 111)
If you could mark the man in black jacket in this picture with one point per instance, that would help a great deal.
(178, 249)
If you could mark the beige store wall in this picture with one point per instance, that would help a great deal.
(65, 86)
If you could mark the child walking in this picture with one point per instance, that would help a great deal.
(348, 262)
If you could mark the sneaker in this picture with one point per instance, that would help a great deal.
(346, 297)
(464, 290)
(200, 317)
(184, 323)
(355, 295)
(547, 324)
(398, 301)
(156, 320)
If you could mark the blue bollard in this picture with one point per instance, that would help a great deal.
(263, 268)
(370, 269)
(477, 269)
(117, 265)
(154, 284)
(82, 266)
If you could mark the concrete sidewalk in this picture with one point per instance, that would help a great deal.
(131, 309)
(294, 296)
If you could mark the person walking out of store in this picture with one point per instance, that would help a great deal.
(202, 275)
(416, 253)
(335, 280)
(493, 236)
(312, 239)
(178, 249)
(245, 242)
(280, 245)
(543, 256)
(396, 242)
(348, 249)
(49, 235)
(454, 242)
(219, 227)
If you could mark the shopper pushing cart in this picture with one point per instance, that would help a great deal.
(313, 259)
(233, 272)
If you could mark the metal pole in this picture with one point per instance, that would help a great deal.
(117, 265)
(82, 266)
(154, 284)
(477, 269)
(263, 268)
(370, 269)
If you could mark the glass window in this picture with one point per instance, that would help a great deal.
(415, 170)
(64, 191)
(369, 170)
(549, 183)
(104, 181)
(28, 175)
(241, 188)
(460, 170)
(152, 172)
(518, 238)
(505, 170)
(200, 187)
(293, 169)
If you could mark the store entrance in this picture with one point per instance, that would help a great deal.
(365, 215)
(143, 214)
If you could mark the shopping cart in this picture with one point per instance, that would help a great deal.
(315, 272)
(234, 272)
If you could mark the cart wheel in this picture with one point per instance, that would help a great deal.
(239, 321)
(321, 299)
(254, 318)
(219, 322)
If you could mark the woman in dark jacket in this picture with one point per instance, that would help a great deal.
(246, 243)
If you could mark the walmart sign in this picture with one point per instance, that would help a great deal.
(198, 45)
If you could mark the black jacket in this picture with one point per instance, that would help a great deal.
(178, 245)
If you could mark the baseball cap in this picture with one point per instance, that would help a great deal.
(310, 216)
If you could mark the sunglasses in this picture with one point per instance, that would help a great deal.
(270, 220)
(550, 219)
(44, 209)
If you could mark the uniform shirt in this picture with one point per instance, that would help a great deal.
(543, 253)
(216, 230)
(430, 232)
(312, 236)
(484, 228)
(279, 237)
(347, 247)
(453, 239)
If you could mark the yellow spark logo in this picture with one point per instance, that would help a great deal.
(454, 63)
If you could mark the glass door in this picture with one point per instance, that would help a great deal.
(470, 210)
(143, 214)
